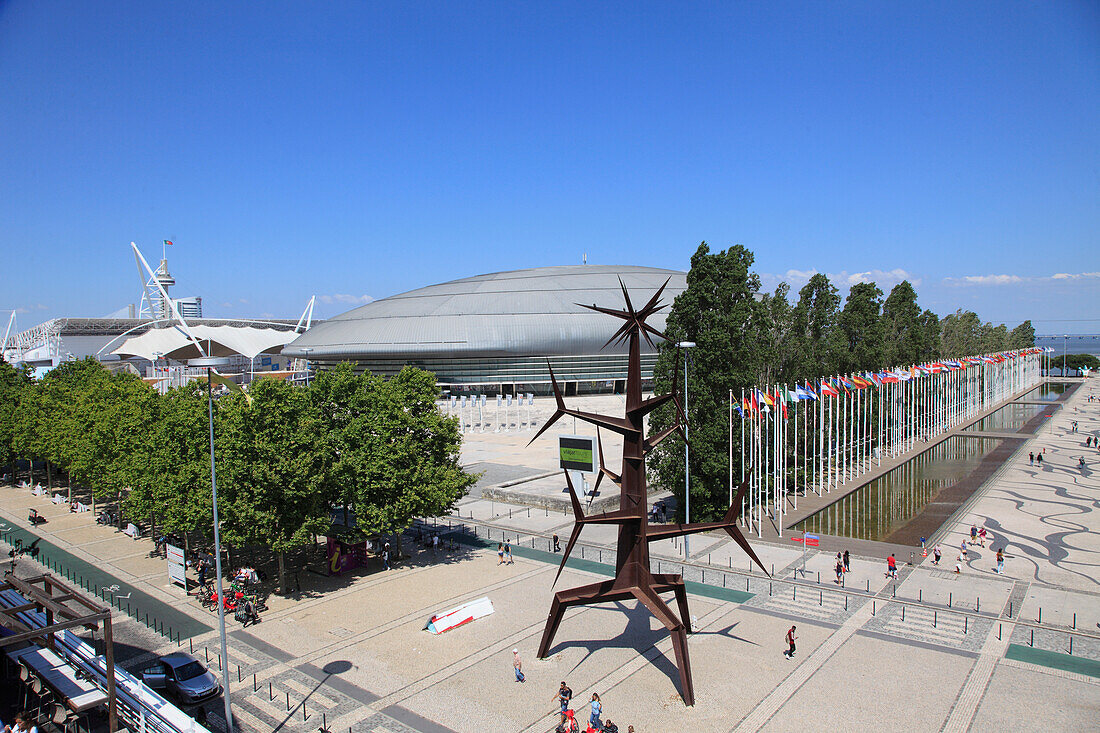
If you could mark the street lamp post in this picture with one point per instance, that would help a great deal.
(210, 363)
(685, 345)
(1065, 341)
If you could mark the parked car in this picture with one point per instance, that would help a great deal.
(183, 677)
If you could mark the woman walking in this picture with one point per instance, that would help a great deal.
(597, 710)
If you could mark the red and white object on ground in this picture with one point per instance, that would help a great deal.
(462, 614)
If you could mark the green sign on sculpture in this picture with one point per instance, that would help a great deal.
(577, 453)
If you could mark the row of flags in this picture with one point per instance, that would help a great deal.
(758, 401)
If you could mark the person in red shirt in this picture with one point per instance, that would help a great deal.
(891, 567)
(789, 654)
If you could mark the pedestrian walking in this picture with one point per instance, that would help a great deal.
(435, 543)
(386, 556)
(839, 571)
(500, 553)
(981, 536)
(847, 559)
(557, 545)
(564, 696)
(517, 665)
(958, 564)
(1039, 460)
(962, 550)
(1031, 458)
(597, 711)
(891, 567)
(508, 553)
(936, 555)
(973, 534)
(1001, 560)
(789, 654)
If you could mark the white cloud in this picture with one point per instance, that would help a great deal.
(1017, 279)
(21, 310)
(40, 307)
(344, 298)
(884, 279)
(1073, 276)
(227, 305)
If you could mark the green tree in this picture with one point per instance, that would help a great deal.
(961, 334)
(177, 492)
(994, 338)
(269, 469)
(861, 329)
(13, 383)
(815, 326)
(780, 351)
(903, 330)
(413, 470)
(719, 312)
(1079, 361)
(931, 346)
(1022, 337)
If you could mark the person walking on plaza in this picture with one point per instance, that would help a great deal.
(508, 553)
(847, 561)
(962, 550)
(517, 665)
(891, 567)
(1039, 459)
(936, 555)
(564, 696)
(789, 654)
(386, 556)
(1031, 458)
(500, 553)
(981, 536)
(557, 545)
(597, 710)
(1001, 561)
(973, 534)
(839, 571)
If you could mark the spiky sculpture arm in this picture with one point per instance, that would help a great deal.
(728, 525)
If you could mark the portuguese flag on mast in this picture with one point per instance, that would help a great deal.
(168, 242)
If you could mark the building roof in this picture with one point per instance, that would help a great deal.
(220, 340)
(516, 313)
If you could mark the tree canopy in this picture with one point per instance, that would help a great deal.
(285, 456)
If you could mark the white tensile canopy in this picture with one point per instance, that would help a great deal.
(173, 342)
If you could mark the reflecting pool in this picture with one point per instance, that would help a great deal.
(1047, 392)
(1009, 418)
(890, 501)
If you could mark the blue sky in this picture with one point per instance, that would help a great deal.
(354, 151)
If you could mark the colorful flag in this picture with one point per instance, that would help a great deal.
(828, 389)
(168, 242)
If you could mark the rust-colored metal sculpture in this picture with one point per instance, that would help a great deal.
(633, 578)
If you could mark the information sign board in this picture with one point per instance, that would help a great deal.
(176, 565)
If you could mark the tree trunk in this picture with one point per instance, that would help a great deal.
(93, 495)
(397, 546)
(153, 532)
(283, 588)
(49, 475)
(30, 465)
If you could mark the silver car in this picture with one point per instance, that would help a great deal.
(183, 677)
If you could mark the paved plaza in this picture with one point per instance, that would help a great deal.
(931, 650)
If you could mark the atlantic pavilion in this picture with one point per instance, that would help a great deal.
(497, 332)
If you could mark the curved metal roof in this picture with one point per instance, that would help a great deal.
(530, 312)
